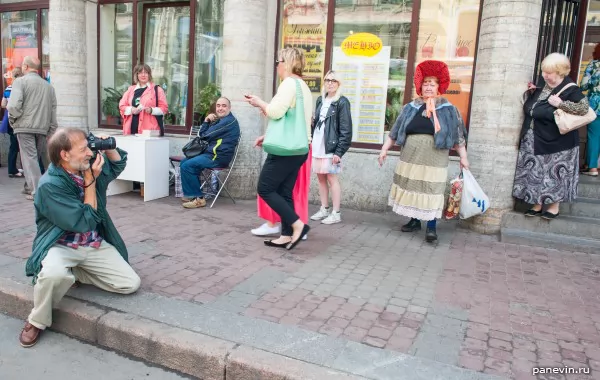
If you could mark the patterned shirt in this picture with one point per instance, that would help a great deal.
(77, 239)
(591, 83)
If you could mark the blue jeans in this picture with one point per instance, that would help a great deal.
(191, 168)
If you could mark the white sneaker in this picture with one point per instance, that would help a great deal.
(265, 230)
(305, 237)
(321, 214)
(334, 217)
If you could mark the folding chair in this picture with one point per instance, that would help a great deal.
(206, 176)
(194, 130)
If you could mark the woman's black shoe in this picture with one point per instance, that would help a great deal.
(430, 235)
(549, 216)
(292, 244)
(412, 226)
(269, 243)
(532, 212)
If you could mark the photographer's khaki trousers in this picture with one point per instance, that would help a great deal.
(103, 267)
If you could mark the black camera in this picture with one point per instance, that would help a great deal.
(96, 144)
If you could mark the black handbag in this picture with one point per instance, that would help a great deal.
(159, 118)
(195, 147)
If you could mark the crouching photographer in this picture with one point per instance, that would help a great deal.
(76, 240)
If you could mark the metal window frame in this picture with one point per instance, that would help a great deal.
(561, 30)
(37, 6)
(136, 40)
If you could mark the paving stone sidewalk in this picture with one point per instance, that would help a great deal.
(467, 301)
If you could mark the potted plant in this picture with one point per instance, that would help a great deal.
(110, 105)
(204, 99)
(393, 106)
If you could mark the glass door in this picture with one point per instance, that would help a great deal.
(19, 39)
(165, 48)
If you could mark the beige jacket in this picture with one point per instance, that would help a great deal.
(32, 105)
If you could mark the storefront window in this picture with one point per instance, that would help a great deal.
(166, 44)
(19, 38)
(448, 33)
(116, 41)
(374, 84)
(209, 45)
(592, 35)
(304, 25)
(45, 46)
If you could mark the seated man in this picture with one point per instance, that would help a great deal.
(222, 132)
(76, 239)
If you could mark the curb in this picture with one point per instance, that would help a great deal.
(181, 350)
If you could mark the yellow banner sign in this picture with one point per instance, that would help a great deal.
(362, 44)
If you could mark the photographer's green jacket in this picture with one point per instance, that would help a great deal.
(58, 208)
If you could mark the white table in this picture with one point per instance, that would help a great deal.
(147, 162)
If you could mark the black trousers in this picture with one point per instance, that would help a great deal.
(276, 186)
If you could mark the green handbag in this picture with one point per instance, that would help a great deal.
(287, 136)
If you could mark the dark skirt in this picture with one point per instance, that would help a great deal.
(548, 178)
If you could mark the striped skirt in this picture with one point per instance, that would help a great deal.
(420, 179)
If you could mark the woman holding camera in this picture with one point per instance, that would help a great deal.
(139, 106)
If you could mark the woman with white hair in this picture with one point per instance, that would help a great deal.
(332, 136)
(547, 170)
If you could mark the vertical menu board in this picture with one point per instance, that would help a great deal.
(365, 84)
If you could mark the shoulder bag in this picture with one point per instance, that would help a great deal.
(195, 147)
(567, 122)
(4, 124)
(287, 136)
(199, 144)
(159, 118)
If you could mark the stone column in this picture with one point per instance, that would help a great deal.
(68, 61)
(247, 35)
(505, 62)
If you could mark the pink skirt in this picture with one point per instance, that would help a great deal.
(300, 195)
(325, 166)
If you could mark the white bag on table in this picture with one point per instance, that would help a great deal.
(474, 201)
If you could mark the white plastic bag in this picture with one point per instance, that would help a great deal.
(474, 201)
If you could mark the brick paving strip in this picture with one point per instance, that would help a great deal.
(359, 297)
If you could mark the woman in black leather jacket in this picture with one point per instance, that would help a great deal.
(332, 135)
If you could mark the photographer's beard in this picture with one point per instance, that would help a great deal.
(77, 166)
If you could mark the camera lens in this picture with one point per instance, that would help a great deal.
(107, 144)
(96, 144)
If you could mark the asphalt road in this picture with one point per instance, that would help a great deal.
(58, 357)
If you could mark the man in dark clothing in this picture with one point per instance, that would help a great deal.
(222, 132)
(76, 240)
